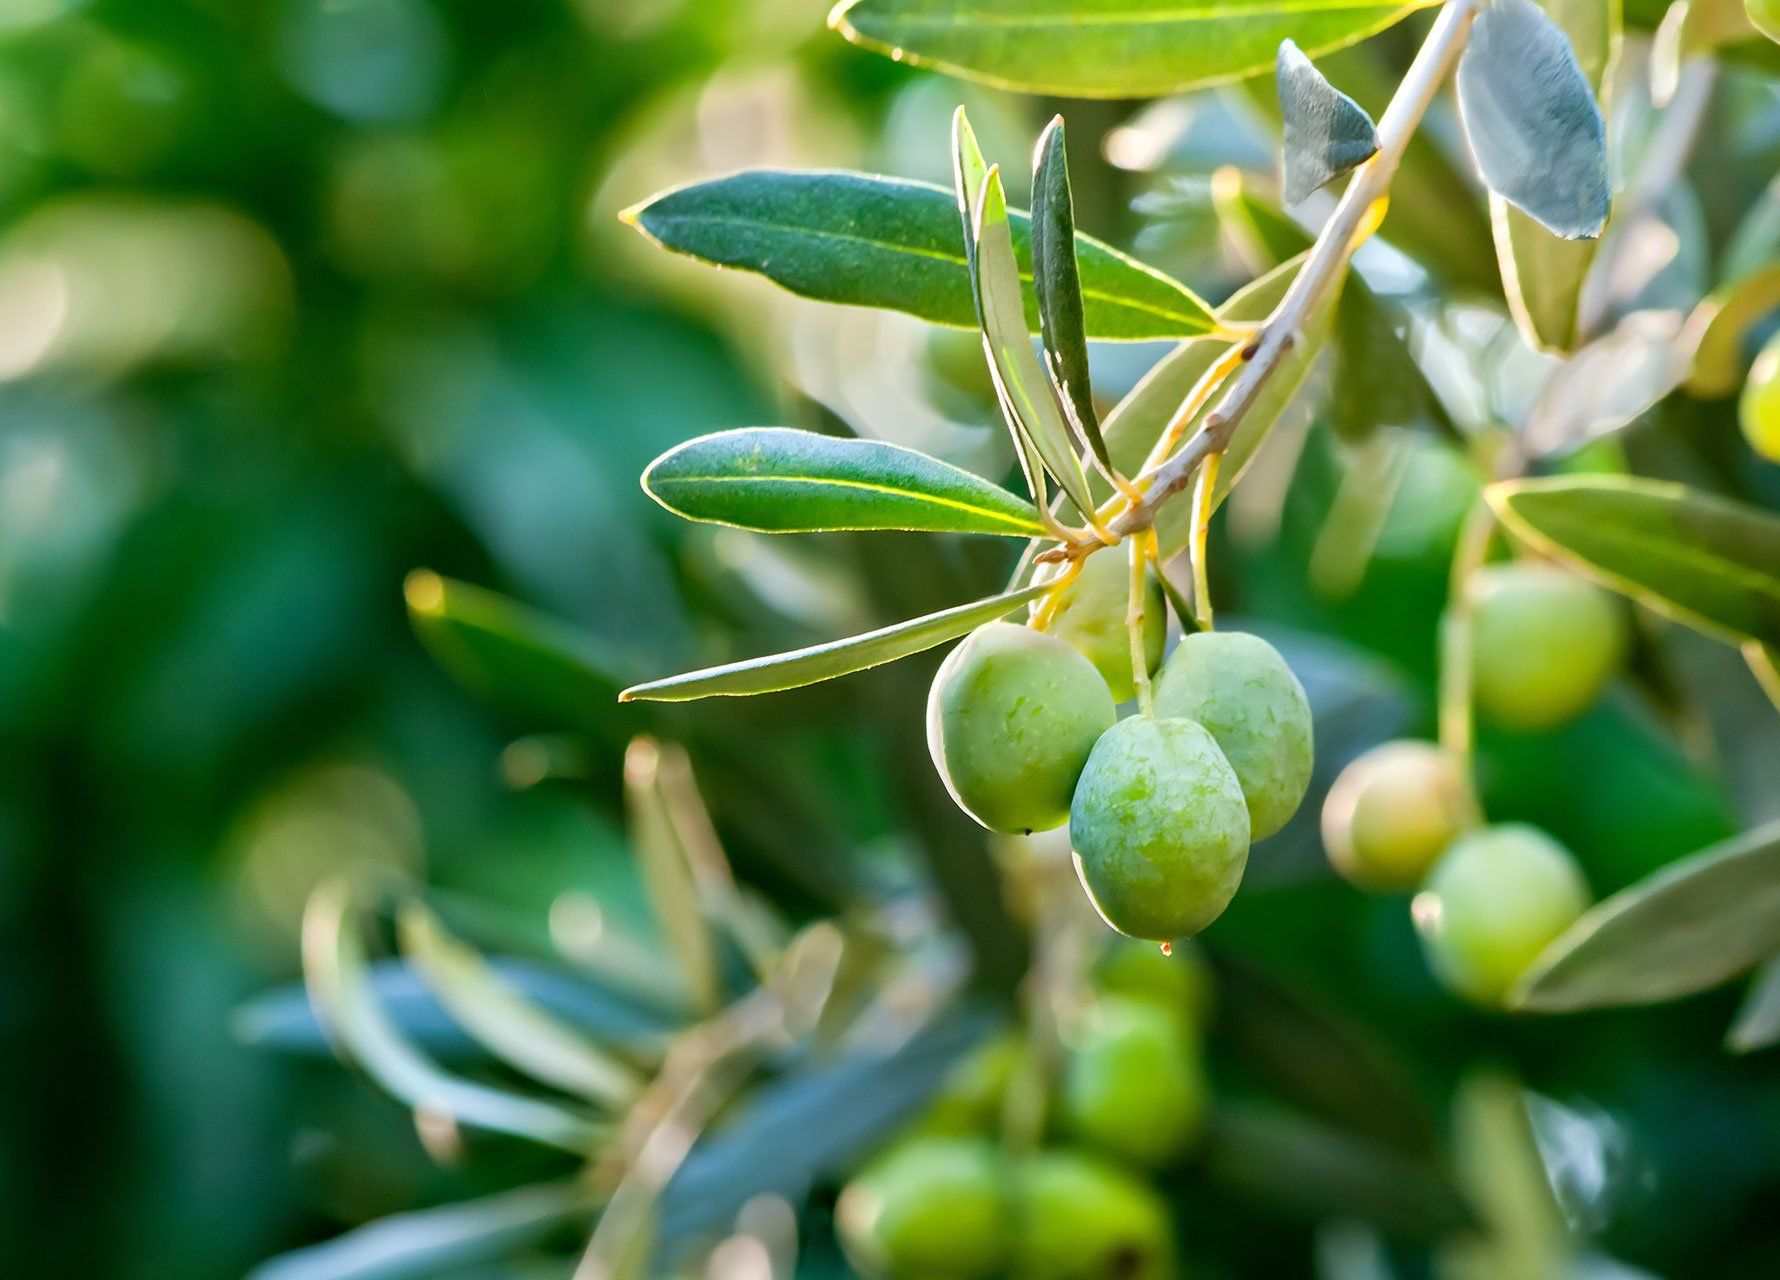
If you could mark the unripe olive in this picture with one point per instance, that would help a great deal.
(1159, 828)
(1392, 812)
(1090, 616)
(931, 1208)
(971, 1098)
(1177, 980)
(1765, 14)
(1493, 903)
(1133, 1085)
(1544, 643)
(1242, 691)
(1011, 719)
(1083, 1218)
(1758, 409)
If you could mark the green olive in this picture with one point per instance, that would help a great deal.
(1242, 691)
(1159, 828)
(1765, 14)
(1083, 1218)
(1758, 409)
(1133, 1085)
(1011, 719)
(1493, 903)
(970, 1100)
(1177, 980)
(1545, 643)
(932, 1209)
(1392, 812)
(1090, 616)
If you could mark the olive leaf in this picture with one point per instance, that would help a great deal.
(1326, 133)
(820, 662)
(1057, 281)
(1723, 319)
(1702, 560)
(1026, 396)
(1543, 273)
(868, 241)
(1611, 382)
(778, 480)
(668, 877)
(1757, 1024)
(1691, 926)
(1534, 126)
(1105, 48)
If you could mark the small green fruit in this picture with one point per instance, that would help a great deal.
(1242, 691)
(1177, 980)
(1011, 719)
(1758, 409)
(1133, 1085)
(1765, 14)
(970, 1100)
(933, 1208)
(1090, 616)
(1392, 813)
(1082, 1218)
(1544, 642)
(1493, 903)
(1159, 827)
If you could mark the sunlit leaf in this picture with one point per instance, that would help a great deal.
(836, 658)
(1724, 319)
(335, 970)
(667, 875)
(777, 480)
(1105, 48)
(1326, 133)
(1535, 128)
(1610, 382)
(1694, 924)
(1764, 18)
(882, 242)
(1708, 562)
(1057, 281)
(499, 1015)
(1758, 1019)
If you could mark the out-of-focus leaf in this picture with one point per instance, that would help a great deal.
(1542, 273)
(1020, 380)
(1535, 128)
(1705, 561)
(1691, 926)
(1304, 1166)
(498, 1014)
(430, 1242)
(1693, 28)
(1758, 1020)
(1056, 280)
(334, 967)
(1522, 1235)
(667, 875)
(1722, 320)
(1326, 133)
(777, 480)
(1611, 382)
(881, 242)
(1763, 18)
(1104, 48)
(835, 658)
(513, 655)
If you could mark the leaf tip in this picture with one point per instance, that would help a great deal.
(838, 21)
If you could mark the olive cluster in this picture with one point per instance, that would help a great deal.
(950, 1201)
(1403, 817)
(1023, 726)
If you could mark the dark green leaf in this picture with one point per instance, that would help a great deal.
(1691, 926)
(1105, 48)
(1705, 561)
(1057, 281)
(1758, 1020)
(879, 242)
(778, 480)
(1535, 128)
(1326, 133)
(836, 658)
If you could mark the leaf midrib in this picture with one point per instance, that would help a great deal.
(1030, 526)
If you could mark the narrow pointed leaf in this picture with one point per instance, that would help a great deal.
(1691, 926)
(1105, 48)
(867, 241)
(1326, 133)
(1758, 1020)
(777, 480)
(969, 169)
(1534, 126)
(513, 1028)
(1705, 561)
(1723, 320)
(836, 658)
(667, 876)
(1542, 273)
(1057, 281)
(339, 985)
(1019, 376)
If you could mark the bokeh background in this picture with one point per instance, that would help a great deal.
(297, 296)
